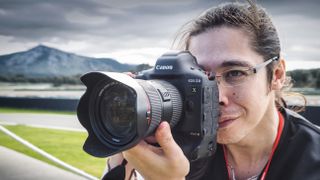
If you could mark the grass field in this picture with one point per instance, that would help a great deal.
(65, 145)
(40, 111)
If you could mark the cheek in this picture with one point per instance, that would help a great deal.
(235, 95)
(243, 101)
(252, 100)
(247, 100)
(240, 96)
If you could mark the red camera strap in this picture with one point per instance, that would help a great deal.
(274, 147)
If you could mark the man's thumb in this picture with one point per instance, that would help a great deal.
(165, 139)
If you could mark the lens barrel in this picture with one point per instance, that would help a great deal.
(165, 102)
(123, 110)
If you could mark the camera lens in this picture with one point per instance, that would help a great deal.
(113, 112)
(123, 110)
(117, 110)
(165, 102)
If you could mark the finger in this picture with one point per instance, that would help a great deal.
(142, 149)
(164, 137)
(130, 74)
(141, 156)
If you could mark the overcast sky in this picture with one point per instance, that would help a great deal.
(138, 31)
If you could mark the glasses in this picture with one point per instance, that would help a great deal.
(238, 75)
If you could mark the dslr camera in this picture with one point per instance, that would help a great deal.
(118, 110)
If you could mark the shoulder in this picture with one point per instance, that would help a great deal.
(210, 167)
(299, 124)
(298, 151)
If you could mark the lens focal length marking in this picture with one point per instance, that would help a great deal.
(115, 140)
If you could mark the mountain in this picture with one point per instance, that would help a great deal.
(42, 62)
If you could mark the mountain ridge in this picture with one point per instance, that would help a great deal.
(42, 63)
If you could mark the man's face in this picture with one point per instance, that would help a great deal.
(243, 106)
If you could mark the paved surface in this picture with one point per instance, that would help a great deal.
(16, 166)
(59, 121)
(42, 94)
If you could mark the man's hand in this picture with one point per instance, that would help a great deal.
(165, 162)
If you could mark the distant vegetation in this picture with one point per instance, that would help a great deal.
(305, 78)
(301, 78)
(54, 80)
(43, 64)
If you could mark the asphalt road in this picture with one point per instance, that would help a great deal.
(68, 122)
(17, 166)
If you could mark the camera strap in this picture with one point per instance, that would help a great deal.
(275, 145)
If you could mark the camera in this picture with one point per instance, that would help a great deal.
(118, 111)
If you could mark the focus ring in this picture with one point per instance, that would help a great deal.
(155, 105)
(175, 100)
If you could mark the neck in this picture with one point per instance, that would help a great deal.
(249, 156)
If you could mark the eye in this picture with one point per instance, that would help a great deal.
(234, 73)
(234, 76)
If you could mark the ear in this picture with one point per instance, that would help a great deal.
(279, 75)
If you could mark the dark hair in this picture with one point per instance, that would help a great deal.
(249, 17)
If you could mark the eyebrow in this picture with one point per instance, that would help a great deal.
(233, 62)
(230, 63)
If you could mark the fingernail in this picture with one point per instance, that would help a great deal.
(163, 125)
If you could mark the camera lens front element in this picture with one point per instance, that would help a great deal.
(113, 109)
(117, 110)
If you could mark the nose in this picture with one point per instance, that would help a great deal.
(223, 98)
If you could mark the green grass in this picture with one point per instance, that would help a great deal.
(65, 145)
(41, 111)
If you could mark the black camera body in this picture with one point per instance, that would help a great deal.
(119, 111)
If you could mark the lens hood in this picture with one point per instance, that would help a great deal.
(97, 144)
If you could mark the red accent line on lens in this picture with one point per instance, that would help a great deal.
(148, 112)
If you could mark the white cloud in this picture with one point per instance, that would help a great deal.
(9, 45)
(300, 40)
(139, 31)
(3, 12)
(136, 56)
(291, 65)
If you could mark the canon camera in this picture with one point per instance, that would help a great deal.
(118, 111)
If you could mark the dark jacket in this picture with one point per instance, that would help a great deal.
(296, 157)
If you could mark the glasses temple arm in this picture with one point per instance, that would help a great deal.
(255, 69)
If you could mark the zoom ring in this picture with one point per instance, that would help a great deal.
(175, 100)
(155, 105)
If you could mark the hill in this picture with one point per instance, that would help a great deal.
(45, 64)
